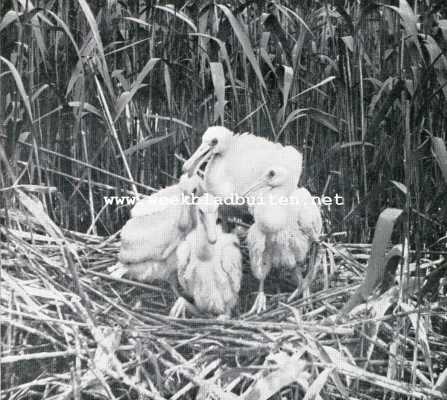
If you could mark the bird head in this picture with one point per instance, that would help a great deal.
(215, 140)
(207, 207)
(190, 184)
(275, 176)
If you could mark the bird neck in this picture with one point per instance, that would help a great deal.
(186, 220)
(204, 248)
(270, 193)
(271, 215)
(216, 178)
(283, 190)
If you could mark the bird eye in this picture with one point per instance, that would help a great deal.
(271, 174)
(214, 142)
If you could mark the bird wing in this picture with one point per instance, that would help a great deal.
(245, 166)
(151, 236)
(250, 141)
(292, 159)
(308, 214)
(157, 202)
(249, 157)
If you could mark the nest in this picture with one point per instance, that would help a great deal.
(71, 331)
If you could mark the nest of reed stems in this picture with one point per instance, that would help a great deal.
(69, 330)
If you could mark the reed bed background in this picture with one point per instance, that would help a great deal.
(94, 90)
(103, 98)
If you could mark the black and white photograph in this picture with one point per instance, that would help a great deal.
(223, 200)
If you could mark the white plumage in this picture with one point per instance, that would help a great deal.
(163, 200)
(158, 224)
(287, 222)
(169, 241)
(236, 160)
(210, 273)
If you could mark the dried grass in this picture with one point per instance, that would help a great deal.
(97, 98)
(69, 329)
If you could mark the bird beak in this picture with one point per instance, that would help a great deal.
(211, 227)
(202, 154)
(257, 185)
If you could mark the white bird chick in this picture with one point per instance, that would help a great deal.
(235, 161)
(158, 224)
(209, 264)
(286, 224)
(150, 204)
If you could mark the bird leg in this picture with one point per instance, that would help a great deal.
(299, 285)
(178, 310)
(117, 270)
(173, 283)
(260, 304)
(315, 262)
(224, 317)
(304, 284)
(180, 307)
